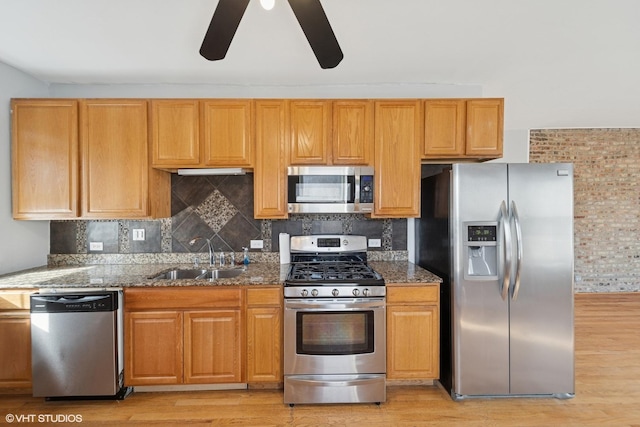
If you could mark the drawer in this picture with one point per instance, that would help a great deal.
(264, 296)
(15, 300)
(413, 294)
(182, 298)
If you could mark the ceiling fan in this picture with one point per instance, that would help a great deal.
(309, 13)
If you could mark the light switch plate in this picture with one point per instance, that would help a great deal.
(96, 246)
(375, 243)
(257, 244)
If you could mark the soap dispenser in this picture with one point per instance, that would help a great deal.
(245, 256)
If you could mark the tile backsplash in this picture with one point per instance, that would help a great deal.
(219, 208)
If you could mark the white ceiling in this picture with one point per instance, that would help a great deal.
(574, 55)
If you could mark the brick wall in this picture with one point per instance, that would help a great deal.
(607, 202)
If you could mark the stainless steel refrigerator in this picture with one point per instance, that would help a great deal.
(501, 236)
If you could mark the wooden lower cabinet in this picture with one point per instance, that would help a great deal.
(183, 336)
(230, 334)
(15, 340)
(413, 337)
(212, 347)
(264, 335)
(153, 348)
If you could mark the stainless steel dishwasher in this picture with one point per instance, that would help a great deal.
(77, 344)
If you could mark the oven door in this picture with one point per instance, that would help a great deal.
(334, 336)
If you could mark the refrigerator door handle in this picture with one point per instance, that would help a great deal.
(506, 227)
(516, 221)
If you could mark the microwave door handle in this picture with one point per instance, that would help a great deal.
(354, 194)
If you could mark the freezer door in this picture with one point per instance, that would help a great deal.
(480, 316)
(542, 340)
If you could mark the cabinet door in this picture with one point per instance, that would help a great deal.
(153, 347)
(175, 133)
(226, 133)
(45, 159)
(212, 347)
(398, 132)
(115, 161)
(15, 349)
(272, 153)
(485, 127)
(352, 140)
(310, 129)
(444, 128)
(264, 344)
(412, 342)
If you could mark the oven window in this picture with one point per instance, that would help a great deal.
(334, 332)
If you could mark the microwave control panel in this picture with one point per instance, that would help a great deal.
(366, 189)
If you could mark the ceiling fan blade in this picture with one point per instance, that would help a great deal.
(317, 29)
(222, 28)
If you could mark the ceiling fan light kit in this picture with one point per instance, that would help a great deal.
(310, 16)
(267, 4)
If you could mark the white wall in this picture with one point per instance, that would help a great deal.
(23, 244)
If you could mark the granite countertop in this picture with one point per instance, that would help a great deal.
(137, 275)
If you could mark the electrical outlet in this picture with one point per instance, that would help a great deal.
(257, 244)
(138, 234)
(96, 246)
(375, 243)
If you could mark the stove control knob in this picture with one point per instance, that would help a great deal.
(366, 292)
(356, 292)
(335, 292)
(314, 292)
(304, 292)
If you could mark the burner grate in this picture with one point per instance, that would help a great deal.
(332, 271)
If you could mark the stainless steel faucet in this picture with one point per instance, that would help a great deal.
(212, 260)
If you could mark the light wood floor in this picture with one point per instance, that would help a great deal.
(607, 393)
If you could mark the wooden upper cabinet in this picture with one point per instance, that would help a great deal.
(175, 133)
(398, 133)
(115, 160)
(310, 123)
(227, 133)
(463, 128)
(444, 127)
(44, 158)
(325, 132)
(485, 127)
(352, 140)
(272, 153)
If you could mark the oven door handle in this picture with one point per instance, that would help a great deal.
(322, 305)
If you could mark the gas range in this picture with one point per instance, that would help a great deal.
(331, 266)
(334, 323)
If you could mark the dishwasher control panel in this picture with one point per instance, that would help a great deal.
(79, 302)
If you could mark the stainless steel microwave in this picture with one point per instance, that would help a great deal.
(330, 189)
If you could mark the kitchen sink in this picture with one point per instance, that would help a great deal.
(223, 274)
(197, 273)
(181, 274)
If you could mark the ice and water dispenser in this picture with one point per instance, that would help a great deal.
(481, 251)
